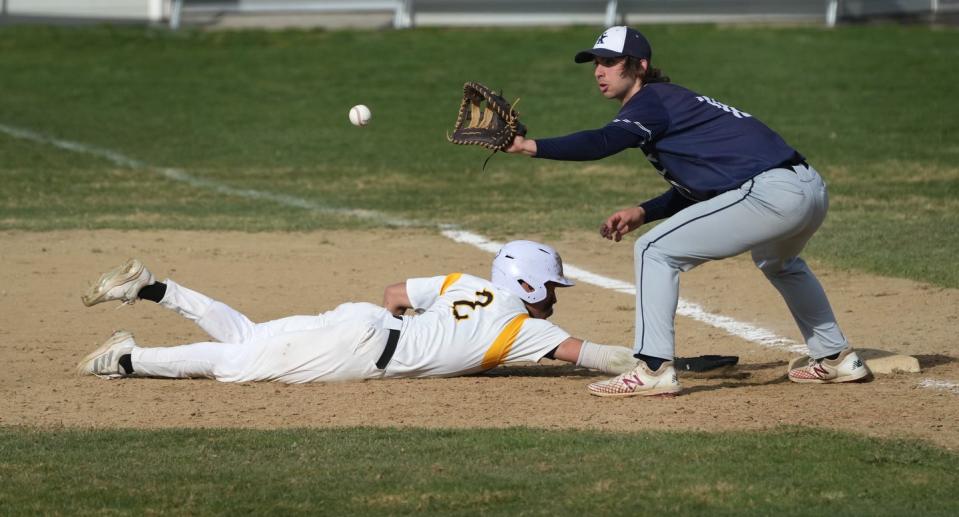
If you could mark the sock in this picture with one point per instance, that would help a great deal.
(153, 292)
(831, 357)
(652, 362)
(126, 362)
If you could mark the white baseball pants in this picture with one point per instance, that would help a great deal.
(772, 215)
(341, 344)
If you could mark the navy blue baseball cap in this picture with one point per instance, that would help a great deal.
(616, 42)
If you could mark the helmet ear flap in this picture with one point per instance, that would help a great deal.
(507, 274)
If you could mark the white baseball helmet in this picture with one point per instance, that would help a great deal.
(532, 262)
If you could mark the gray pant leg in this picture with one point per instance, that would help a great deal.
(797, 284)
(772, 207)
(704, 231)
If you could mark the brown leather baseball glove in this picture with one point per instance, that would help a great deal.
(493, 125)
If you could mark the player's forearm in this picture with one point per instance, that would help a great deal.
(586, 145)
(665, 205)
(606, 358)
(395, 299)
(568, 350)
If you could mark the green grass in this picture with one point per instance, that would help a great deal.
(791, 471)
(870, 106)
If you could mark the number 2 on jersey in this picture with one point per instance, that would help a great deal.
(483, 298)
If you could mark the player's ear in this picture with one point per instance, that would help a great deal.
(526, 287)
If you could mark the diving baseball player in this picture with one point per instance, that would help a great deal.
(463, 325)
(735, 186)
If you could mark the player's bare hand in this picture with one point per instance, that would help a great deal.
(622, 222)
(522, 145)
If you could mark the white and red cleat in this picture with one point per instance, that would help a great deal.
(848, 367)
(640, 381)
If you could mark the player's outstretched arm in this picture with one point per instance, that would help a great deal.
(395, 299)
(605, 358)
(568, 350)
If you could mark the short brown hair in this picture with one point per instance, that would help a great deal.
(633, 67)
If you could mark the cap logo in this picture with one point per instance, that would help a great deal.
(613, 38)
(614, 42)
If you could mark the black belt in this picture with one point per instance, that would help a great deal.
(794, 161)
(390, 348)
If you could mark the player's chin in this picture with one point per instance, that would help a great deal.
(540, 310)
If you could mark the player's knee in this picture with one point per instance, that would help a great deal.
(778, 266)
(770, 268)
(650, 252)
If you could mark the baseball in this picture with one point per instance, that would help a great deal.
(360, 115)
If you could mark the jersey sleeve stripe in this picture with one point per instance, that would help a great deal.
(449, 280)
(501, 346)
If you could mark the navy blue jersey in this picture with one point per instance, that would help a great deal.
(701, 146)
(697, 143)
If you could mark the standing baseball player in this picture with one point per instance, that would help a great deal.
(735, 186)
(463, 325)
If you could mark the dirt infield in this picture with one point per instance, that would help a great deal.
(44, 330)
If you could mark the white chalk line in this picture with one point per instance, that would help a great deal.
(935, 384)
(194, 181)
(745, 331)
(751, 333)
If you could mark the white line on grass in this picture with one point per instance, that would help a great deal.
(189, 179)
(751, 333)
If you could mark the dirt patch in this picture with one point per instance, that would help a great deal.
(44, 330)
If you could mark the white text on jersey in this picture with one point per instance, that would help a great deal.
(728, 109)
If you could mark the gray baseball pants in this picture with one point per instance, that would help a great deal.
(773, 216)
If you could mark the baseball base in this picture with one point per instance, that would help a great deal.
(879, 361)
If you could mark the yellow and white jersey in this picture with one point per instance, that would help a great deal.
(465, 325)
